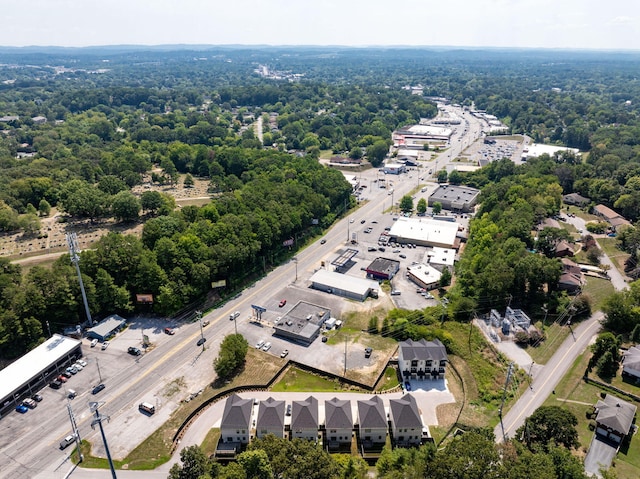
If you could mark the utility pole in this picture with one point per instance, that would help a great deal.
(74, 429)
(93, 407)
(99, 374)
(344, 374)
(199, 315)
(504, 395)
(74, 253)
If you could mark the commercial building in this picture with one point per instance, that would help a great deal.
(27, 375)
(107, 328)
(440, 258)
(383, 268)
(424, 275)
(344, 285)
(394, 168)
(302, 323)
(455, 198)
(416, 136)
(425, 232)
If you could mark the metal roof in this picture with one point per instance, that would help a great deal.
(352, 284)
(30, 365)
(428, 231)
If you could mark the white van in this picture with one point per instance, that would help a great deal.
(147, 407)
(94, 342)
(70, 439)
(235, 315)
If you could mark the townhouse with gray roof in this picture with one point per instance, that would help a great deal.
(422, 359)
(372, 421)
(270, 418)
(406, 423)
(304, 419)
(338, 422)
(236, 420)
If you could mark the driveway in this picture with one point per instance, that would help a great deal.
(601, 454)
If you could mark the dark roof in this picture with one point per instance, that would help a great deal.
(237, 413)
(404, 412)
(337, 414)
(270, 414)
(371, 413)
(615, 414)
(385, 266)
(423, 350)
(444, 192)
(304, 414)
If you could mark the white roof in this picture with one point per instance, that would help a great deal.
(437, 255)
(537, 149)
(350, 177)
(34, 362)
(360, 286)
(439, 233)
(430, 130)
(425, 273)
(408, 152)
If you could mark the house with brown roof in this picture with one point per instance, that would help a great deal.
(338, 422)
(236, 420)
(270, 418)
(614, 418)
(304, 419)
(610, 216)
(406, 423)
(372, 421)
(564, 248)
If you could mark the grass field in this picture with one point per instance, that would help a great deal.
(598, 289)
(555, 335)
(297, 380)
(617, 256)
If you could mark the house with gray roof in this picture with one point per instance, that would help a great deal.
(236, 420)
(422, 359)
(614, 418)
(372, 421)
(270, 418)
(304, 419)
(576, 199)
(338, 422)
(631, 364)
(406, 423)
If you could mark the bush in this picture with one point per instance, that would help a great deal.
(522, 337)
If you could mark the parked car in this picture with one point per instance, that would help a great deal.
(62, 379)
(71, 370)
(407, 385)
(367, 352)
(36, 397)
(81, 362)
(266, 346)
(134, 351)
(105, 345)
(30, 403)
(71, 393)
(259, 344)
(288, 413)
(284, 353)
(395, 293)
(21, 408)
(94, 342)
(79, 367)
(98, 388)
(55, 384)
(403, 256)
(282, 303)
(169, 331)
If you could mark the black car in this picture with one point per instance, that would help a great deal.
(98, 388)
(36, 397)
(55, 384)
(134, 351)
(367, 352)
(363, 222)
(201, 341)
(323, 241)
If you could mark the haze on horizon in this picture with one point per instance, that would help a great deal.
(566, 24)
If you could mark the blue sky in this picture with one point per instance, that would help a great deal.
(590, 24)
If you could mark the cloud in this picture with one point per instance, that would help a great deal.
(621, 20)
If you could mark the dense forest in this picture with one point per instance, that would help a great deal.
(80, 128)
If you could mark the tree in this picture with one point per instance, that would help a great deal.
(472, 456)
(442, 176)
(606, 355)
(233, 351)
(373, 325)
(406, 204)
(455, 178)
(607, 366)
(151, 201)
(44, 208)
(188, 181)
(445, 278)
(195, 464)
(549, 424)
(256, 464)
(436, 208)
(377, 152)
(355, 153)
(125, 206)
(421, 207)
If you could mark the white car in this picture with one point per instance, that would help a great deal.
(94, 342)
(259, 344)
(81, 362)
(266, 347)
(79, 367)
(105, 345)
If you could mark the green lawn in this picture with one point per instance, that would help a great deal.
(389, 380)
(617, 256)
(555, 335)
(598, 289)
(297, 380)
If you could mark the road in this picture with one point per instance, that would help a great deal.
(33, 451)
(548, 378)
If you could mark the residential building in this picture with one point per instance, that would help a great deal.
(610, 216)
(406, 423)
(304, 419)
(631, 364)
(372, 421)
(614, 418)
(422, 359)
(270, 418)
(236, 420)
(564, 248)
(576, 200)
(338, 422)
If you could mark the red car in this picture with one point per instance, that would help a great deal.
(62, 379)
(169, 331)
(282, 303)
